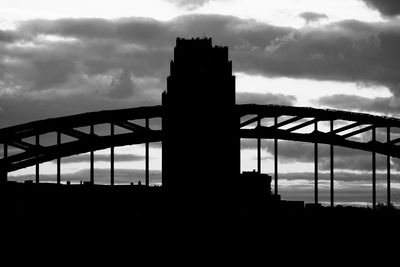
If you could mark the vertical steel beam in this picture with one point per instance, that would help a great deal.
(276, 160)
(147, 181)
(388, 168)
(58, 159)
(37, 173)
(112, 154)
(373, 170)
(258, 149)
(332, 169)
(4, 172)
(316, 166)
(240, 155)
(92, 157)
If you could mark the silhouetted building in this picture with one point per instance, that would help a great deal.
(201, 144)
(256, 182)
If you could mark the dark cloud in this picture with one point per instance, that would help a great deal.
(248, 143)
(78, 59)
(291, 152)
(385, 7)
(88, 49)
(122, 86)
(103, 157)
(311, 17)
(18, 109)
(135, 29)
(50, 72)
(263, 99)
(156, 145)
(390, 105)
(350, 51)
(142, 45)
(6, 36)
(354, 160)
(344, 51)
(350, 188)
(339, 176)
(300, 152)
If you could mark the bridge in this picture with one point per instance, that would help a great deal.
(289, 124)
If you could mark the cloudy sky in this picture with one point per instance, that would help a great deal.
(65, 57)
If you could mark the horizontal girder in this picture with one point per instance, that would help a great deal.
(321, 138)
(270, 111)
(35, 153)
(30, 158)
(75, 121)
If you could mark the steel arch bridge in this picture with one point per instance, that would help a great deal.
(289, 124)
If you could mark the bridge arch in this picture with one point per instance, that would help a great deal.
(288, 121)
(32, 154)
(298, 118)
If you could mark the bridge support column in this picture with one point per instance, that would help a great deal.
(37, 174)
(259, 149)
(3, 169)
(388, 169)
(58, 159)
(373, 170)
(276, 160)
(316, 167)
(147, 181)
(240, 154)
(112, 155)
(332, 169)
(3, 175)
(92, 157)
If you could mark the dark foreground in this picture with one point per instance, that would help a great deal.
(105, 217)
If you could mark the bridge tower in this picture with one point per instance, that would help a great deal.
(201, 144)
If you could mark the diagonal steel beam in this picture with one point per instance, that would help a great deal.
(75, 133)
(294, 128)
(250, 121)
(347, 127)
(394, 141)
(129, 126)
(283, 123)
(22, 145)
(358, 131)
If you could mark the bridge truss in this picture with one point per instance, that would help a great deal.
(289, 123)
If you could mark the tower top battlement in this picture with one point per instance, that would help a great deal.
(197, 56)
(194, 42)
(198, 43)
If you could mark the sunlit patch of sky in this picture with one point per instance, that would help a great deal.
(280, 13)
(286, 12)
(55, 38)
(306, 90)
